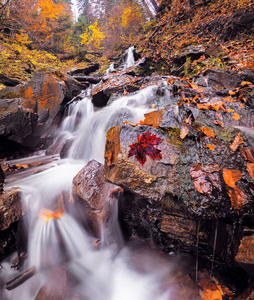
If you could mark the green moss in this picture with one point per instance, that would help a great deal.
(174, 137)
(10, 95)
(225, 135)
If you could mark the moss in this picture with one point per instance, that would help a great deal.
(10, 95)
(174, 137)
(225, 135)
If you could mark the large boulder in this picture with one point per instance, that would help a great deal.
(94, 195)
(17, 127)
(113, 85)
(47, 92)
(11, 212)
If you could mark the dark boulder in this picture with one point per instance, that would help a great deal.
(110, 86)
(17, 128)
(85, 71)
(93, 195)
(2, 177)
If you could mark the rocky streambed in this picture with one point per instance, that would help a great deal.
(183, 176)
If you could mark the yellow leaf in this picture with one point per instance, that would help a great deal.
(236, 116)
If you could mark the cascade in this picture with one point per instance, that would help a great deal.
(130, 60)
(57, 239)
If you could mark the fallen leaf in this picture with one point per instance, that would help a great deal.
(231, 93)
(230, 110)
(237, 197)
(231, 177)
(211, 168)
(203, 186)
(219, 123)
(245, 83)
(47, 214)
(196, 170)
(236, 142)
(247, 154)
(208, 132)
(211, 147)
(250, 169)
(210, 290)
(184, 131)
(236, 116)
(242, 105)
(145, 146)
(215, 180)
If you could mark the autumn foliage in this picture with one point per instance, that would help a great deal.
(145, 146)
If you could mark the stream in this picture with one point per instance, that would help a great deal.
(57, 242)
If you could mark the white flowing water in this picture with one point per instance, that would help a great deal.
(130, 60)
(56, 239)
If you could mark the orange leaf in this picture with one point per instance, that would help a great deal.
(219, 123)
(247, 154)
(184, 131)
(245, 83)
(231, 93)
(236, 142)
(250, 169)
(231, 177)
(47, 214)
(201, 90)
(236, 116)
(211, 147)
(230, 110)
(237, 197)
(208, 132)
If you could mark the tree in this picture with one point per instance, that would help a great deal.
(92, 37)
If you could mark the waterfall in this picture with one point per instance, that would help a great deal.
(57, 239)
(130, 60)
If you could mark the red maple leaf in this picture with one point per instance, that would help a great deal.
(145, 146)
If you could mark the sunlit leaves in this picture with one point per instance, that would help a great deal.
(145, 146)
(92, 37)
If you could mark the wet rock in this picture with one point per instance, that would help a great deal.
(11, 211)
(87, 79)
(113, 85)
(85, 71)
(2, 177)
(47, 92)
(245, 254)
(93, 194)
(17, 127)
(11, 207)
(193, 51)
(8, 81)
(58, 286)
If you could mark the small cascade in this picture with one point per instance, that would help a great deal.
(130, 60)
(110, 69)
(56, 239)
